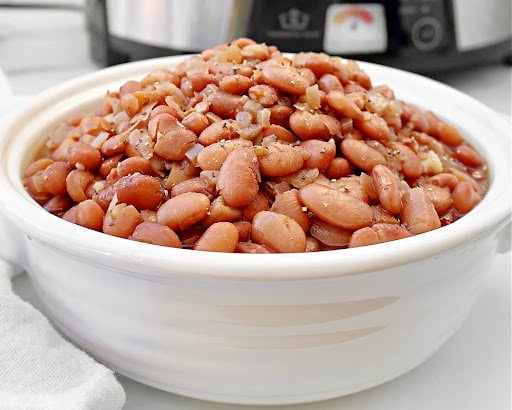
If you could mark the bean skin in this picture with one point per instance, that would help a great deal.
(219, 237)
(281, 159)
(239, 177)
(183, 211)
(156, 234)
(141, 191)
(336, 207)
(386, 186)
(418, 213)
(361, 154)
(278, 232)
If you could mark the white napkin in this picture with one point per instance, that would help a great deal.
(39, 369)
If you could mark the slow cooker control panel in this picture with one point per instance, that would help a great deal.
(424, 24)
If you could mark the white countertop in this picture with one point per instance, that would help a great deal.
(39, 49)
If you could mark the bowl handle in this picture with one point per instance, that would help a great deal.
(504, 237)
(11, 241)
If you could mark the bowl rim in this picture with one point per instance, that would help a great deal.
(152, 262)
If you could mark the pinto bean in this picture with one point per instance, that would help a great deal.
(449, 135)
(336, 207)
(220, 212)
(277, 231)
(77, 182)
(219, 237)
(440, 197)
(329, 82)
(82, 154)
(330, 235)
(259, 203)
(141, 191)
(239, 177)
(235, 84)
(281, 133)
(174, 144)
(287, 79)
(464, 197)
(386, 186)
(361, 154)
(339, 167)
(344, 105)
(280, 159)
(280, 114)
(121, 220)
(223, 104)
(183, 211)
(89, 214)
(196, 184)
(319, 126)
(38, 165)
(263, 94)
(251, 247)
(444, 180)
(410, 163)
(132, 165)
(374, 127)
(321, 153)
(58, 204)
(287, 203)
(418, 212)
(54, 177)
(156, 234)
(468, 156)
(196, 122)
(219, 130)
(377, 233)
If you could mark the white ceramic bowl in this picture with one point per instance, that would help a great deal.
(244, 328)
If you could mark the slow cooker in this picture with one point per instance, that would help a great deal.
(416, 35)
